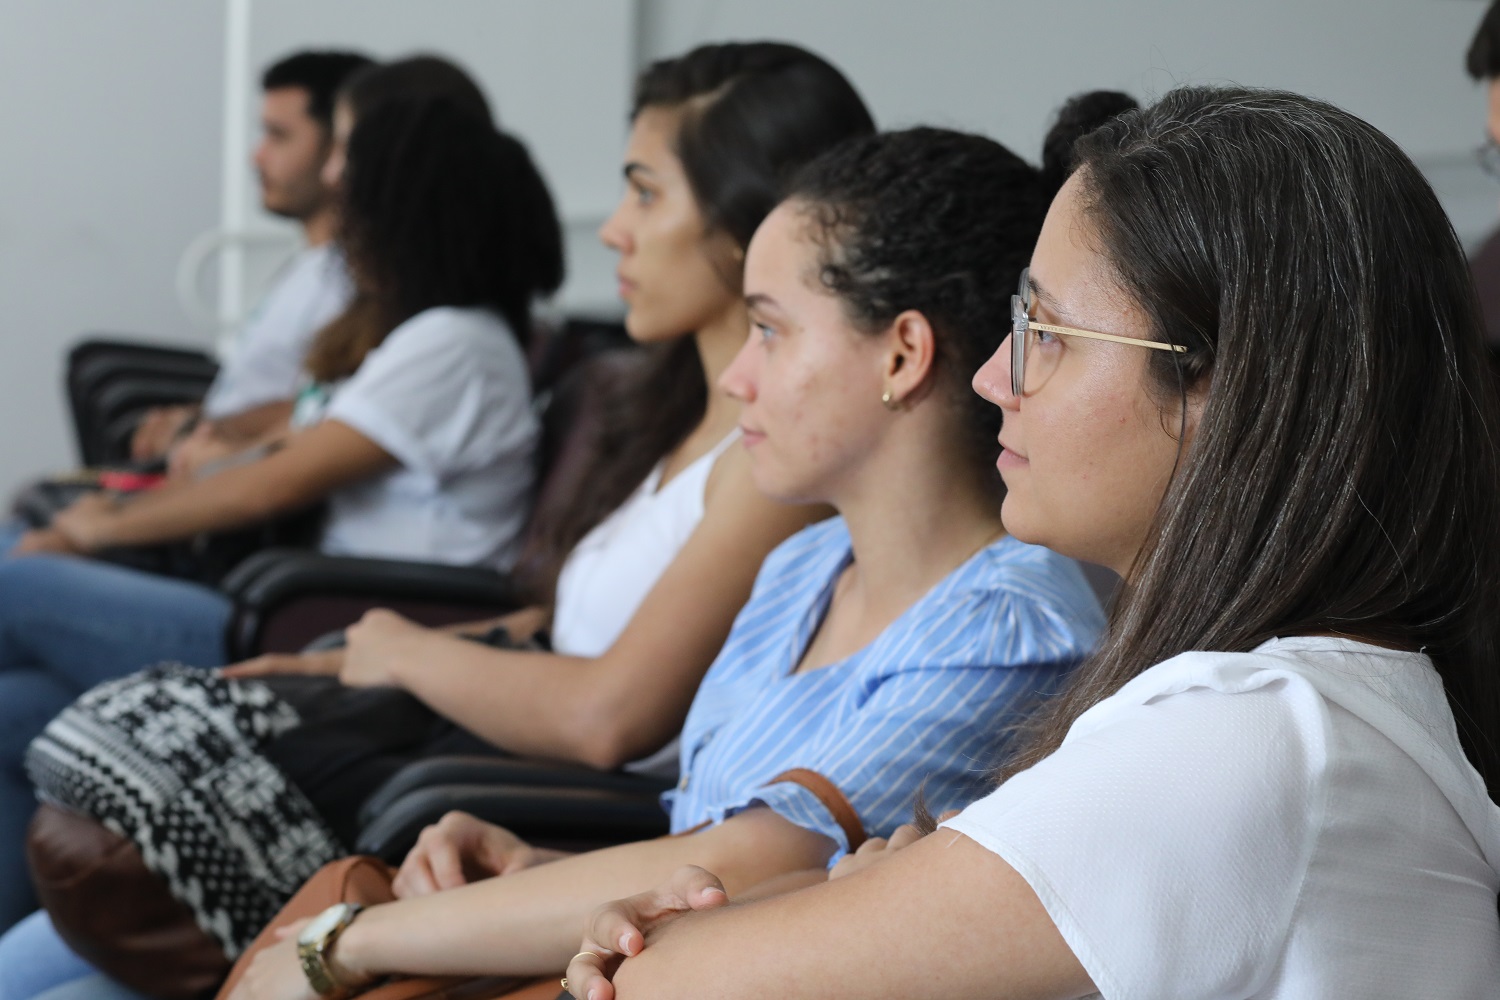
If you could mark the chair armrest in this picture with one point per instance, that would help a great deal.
(509, 771)
(285, 598)
(566, 818)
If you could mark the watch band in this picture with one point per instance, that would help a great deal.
(313, 952)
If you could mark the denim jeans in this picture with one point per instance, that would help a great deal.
(35, 963)
(66, 625)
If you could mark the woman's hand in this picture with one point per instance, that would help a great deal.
(877, 849)
(325, 663)
(276, 973)
(874, 851)
(459, 849)
(44, 540)
(158, 429)
(376, 647)
(625, 925)
(85, 522)
(188, 458)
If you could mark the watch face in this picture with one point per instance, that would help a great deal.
(323, 924)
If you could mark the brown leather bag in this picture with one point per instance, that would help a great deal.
(368, 881)
(83, 874)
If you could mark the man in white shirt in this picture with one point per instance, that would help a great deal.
(255, 388)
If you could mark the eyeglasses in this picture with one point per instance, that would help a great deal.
(1489, 157)
(1023, 334)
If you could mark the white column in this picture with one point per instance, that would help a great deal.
(233, 216)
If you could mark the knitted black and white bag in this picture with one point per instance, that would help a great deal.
(173, 759)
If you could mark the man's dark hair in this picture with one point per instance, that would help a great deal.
(1483, 61)
(321, 74)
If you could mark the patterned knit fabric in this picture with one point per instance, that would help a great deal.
(173, 759)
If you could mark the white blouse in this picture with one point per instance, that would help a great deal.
(1294, 822)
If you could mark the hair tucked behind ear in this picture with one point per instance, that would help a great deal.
(1342, 478)
(752, 114)
(942, 223)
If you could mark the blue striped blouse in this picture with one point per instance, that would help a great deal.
(924, 706)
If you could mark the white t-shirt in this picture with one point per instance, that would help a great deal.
(448, 396)
(264, 364)
(1294, 822)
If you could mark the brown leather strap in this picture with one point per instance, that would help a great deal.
(833, 800)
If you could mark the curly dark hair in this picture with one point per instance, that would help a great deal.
(419, 76)
(438, 209)
(940, 222)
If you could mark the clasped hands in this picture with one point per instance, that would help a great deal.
(621, 929)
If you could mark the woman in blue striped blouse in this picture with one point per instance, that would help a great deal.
(880, 651)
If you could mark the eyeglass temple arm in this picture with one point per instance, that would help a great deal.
(1112, 338)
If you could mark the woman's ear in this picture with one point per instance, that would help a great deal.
(912, 353)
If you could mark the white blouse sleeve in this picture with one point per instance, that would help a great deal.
(445, 393)
(1170, 843)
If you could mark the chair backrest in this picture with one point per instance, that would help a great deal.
(111, 382)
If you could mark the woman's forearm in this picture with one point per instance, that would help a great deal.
(534, 704)
(318, 461)
(529, 922)
(943, 918)
(226, 501)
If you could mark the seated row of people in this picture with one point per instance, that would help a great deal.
(415, 426)
(1172, 823)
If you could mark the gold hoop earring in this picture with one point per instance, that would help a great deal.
(889, 401)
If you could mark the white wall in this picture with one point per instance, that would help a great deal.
(111, 117)
(1000, 67)
(109, 164)
(557, 73)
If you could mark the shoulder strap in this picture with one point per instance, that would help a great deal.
(833, 800)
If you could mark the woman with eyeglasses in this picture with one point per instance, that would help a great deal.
(1245, 371)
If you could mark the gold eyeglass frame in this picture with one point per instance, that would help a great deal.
(1021, 323)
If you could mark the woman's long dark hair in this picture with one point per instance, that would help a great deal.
(438, 209)
(1343, 476)
(418, 77)
(753, 114)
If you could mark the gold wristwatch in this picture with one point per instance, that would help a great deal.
(313, 945)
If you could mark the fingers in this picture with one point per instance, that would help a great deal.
(270, 663)
(444, 856)
(291, 930)
(326, 663)
(904, 836)
(415, 877)
(625, 923)
(448, 848)
(588, 974)
(698, 887)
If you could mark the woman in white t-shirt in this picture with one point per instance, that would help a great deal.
(423, 449)
(1246, 373)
